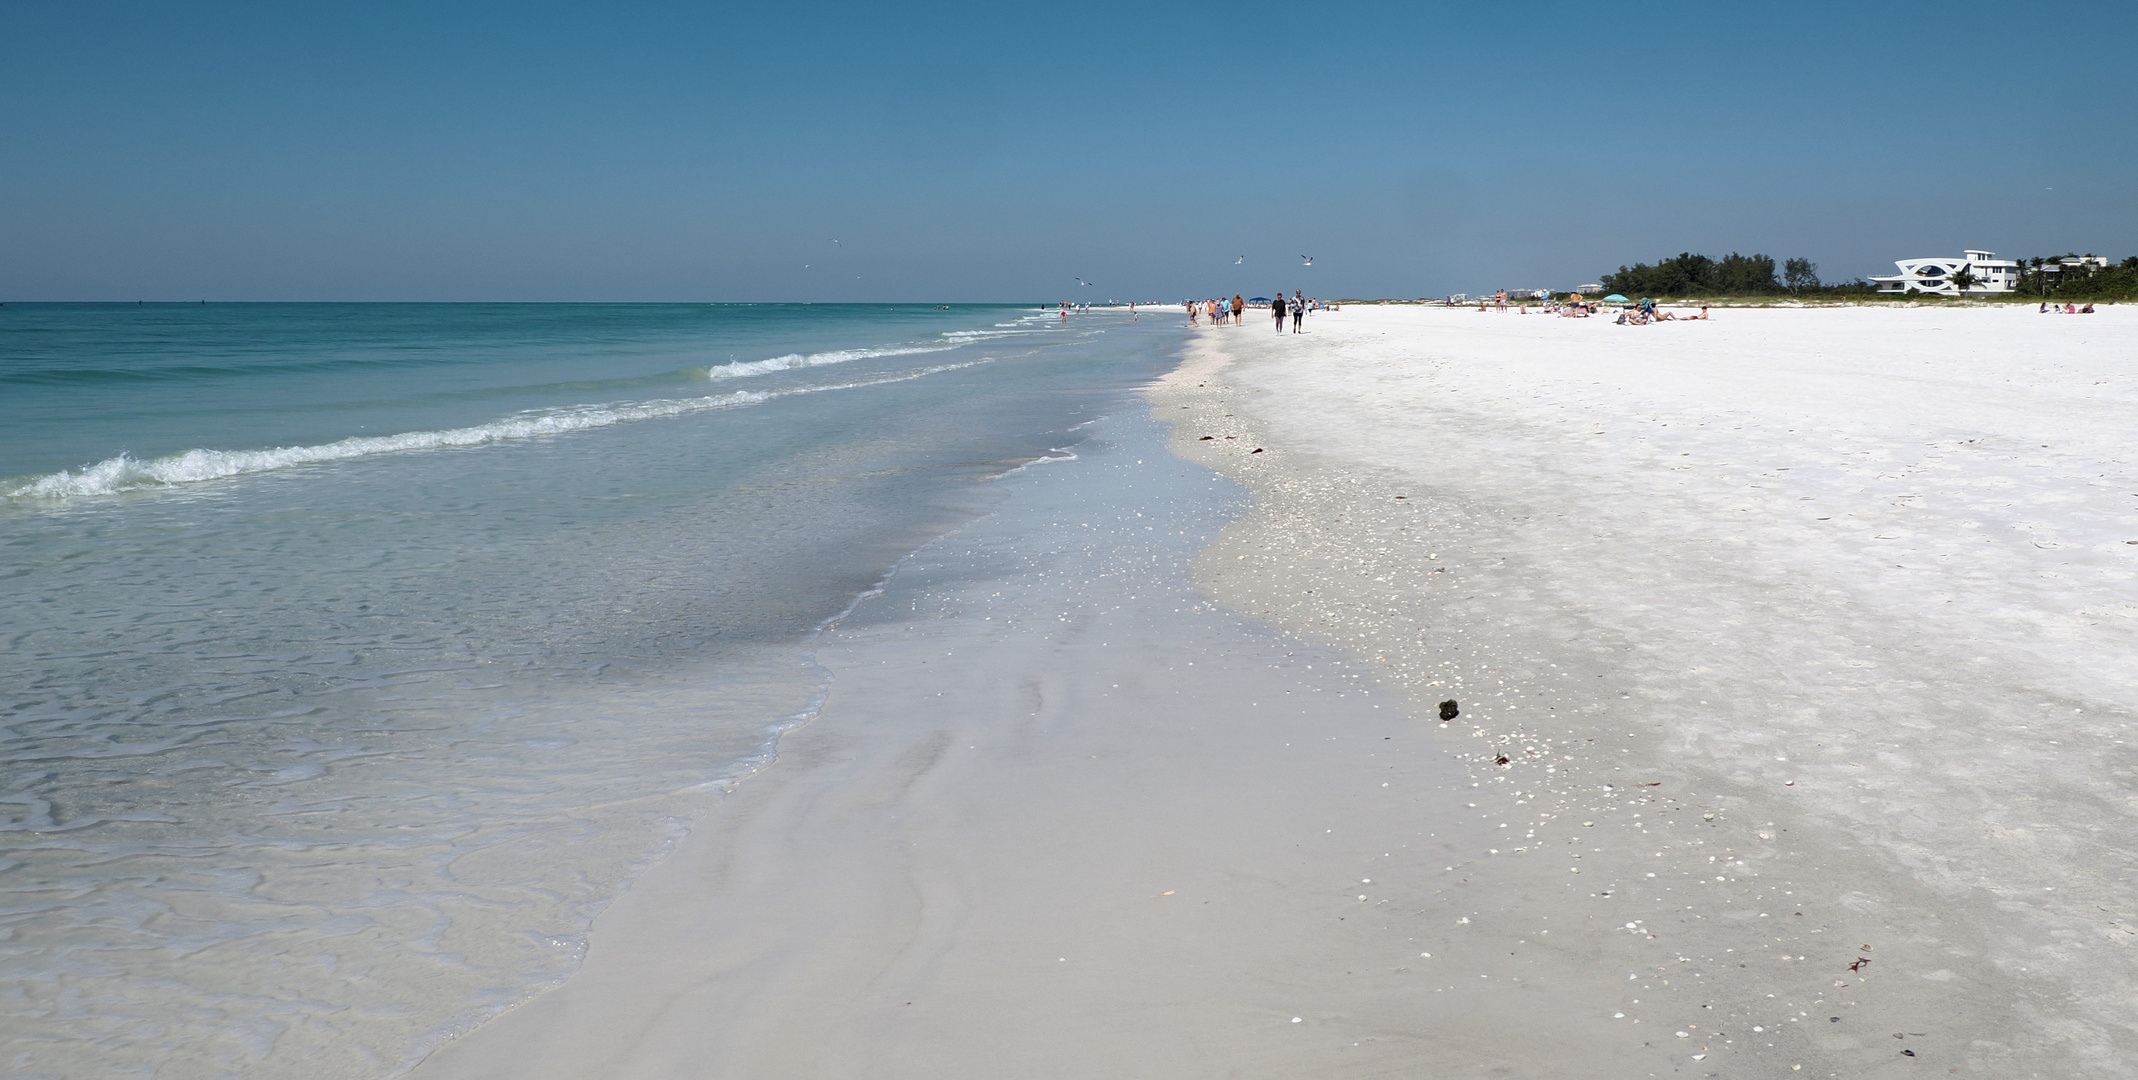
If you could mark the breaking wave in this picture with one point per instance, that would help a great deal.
(951, 339)
(126, 473)
(795, 361)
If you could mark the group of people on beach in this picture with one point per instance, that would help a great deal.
(1646, 312)
(2048, 308)
(1220, 310)
(1573, 307)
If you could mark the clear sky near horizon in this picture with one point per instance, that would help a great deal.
(398, 151)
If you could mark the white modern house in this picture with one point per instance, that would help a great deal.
(1991, 275)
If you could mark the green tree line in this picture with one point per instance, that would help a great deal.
(1688, 274)
(1693, 275)
(2075, 281)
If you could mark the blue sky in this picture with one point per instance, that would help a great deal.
(993, 152)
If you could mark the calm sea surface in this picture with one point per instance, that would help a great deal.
(355, 654)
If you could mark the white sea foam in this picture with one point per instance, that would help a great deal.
(967, 337)
(126, 473)
(794, 361)
(1059, 453)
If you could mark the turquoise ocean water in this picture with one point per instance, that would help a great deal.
(355, 655)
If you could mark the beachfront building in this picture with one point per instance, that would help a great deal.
(1991, 275)
(2089, 262)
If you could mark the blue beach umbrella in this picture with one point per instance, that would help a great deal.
(1258, 299)
(1614, 298)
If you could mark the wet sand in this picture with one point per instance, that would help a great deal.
(1061, 816)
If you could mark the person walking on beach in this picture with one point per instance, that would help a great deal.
(1190, 305)
(1299, 310)
(1239, 308)
(1277, 306)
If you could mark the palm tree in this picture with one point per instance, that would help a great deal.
(1963, 280)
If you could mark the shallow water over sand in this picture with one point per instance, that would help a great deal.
(315, 760)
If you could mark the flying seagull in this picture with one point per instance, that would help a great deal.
(1309, 259)
(1081, 281)
(1239, 260)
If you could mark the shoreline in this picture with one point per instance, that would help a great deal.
(1060, 816)
(1138, 777)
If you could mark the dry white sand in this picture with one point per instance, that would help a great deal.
(1810, 639)
(1805, 638)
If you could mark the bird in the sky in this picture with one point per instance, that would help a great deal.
(1309, 259)
(1081, 281)
(1239, 260)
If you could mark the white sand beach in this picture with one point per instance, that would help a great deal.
(1794, 653)
(1812, 635)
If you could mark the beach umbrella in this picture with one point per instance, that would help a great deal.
(1614, 298)
(1258, 299)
